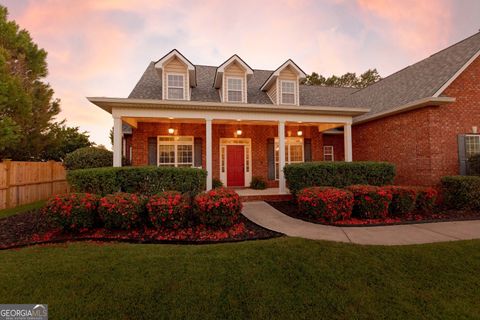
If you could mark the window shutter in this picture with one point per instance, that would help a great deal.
(197, 149)
(152, 151)
(307, 150)
(462, 155)
(271, 158)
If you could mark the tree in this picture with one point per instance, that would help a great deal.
(65, 140)
(349, 79)
(27, 107)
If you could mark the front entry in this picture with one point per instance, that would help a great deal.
(235, 165)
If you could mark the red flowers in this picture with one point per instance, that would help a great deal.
(370, 201)
(168, 209)
(403, 200)
(426, 198)
(327, 203)
(218, 207)
(121, 210)
(72, 211)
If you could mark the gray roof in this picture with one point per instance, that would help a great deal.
(420, 80)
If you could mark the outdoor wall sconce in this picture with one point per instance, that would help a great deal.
(171, 131)
(239, 132)
(299, 133)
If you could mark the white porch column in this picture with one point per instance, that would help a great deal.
(208, 133)
(117, 141)
(281, 153)
(347, 138)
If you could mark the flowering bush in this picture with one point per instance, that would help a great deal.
(218, 207)
(168, 209)
(426, 198)
(370, 201)
(328, 203)
(403, 200)
(121, 210)
(73, 211)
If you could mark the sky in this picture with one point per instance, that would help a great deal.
(101, 48)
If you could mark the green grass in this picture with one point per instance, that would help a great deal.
(283, 278)
(20, 209)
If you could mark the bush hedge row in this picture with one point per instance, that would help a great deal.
(143, 180)
(461, 192)
(338, 174)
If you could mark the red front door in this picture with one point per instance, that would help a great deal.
(235, 166)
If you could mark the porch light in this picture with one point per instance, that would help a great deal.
(239, 132)
(299, 133)
(171, 131)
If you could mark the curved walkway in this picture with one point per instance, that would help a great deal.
(268, 217)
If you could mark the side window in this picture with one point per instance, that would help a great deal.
(328, 153)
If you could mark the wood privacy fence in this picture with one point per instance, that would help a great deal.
(26, 182)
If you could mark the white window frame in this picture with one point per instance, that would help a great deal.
(289, 141)
(176, 87)
(469, 153)
(294, 93)
(242, 84)
(175, 142)
(330, 153)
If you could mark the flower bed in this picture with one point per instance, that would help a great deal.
(330, 204)
(371, 202)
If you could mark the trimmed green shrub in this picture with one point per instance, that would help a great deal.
(168, 209)
(328, 203)
(218, 207)
(338, 174)
(403, 200)
(258, 183)
(474, 165)
(88, 157)
(73, 211)
(426, 198)
(216, 183)
(122, 211)
(461, 192)
(144, 180)
(371, 202)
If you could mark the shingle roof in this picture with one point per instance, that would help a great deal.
(420, 80)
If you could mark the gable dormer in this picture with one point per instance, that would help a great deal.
(282, 87)
(178, 76)
(231, 79)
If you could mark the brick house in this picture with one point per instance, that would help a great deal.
(237, 122)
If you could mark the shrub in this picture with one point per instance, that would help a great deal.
(73, 211)
(147, 180)
(403, 200)
(216, 183)
(426, 198)
(338, 174)
(168, 209)
(258, 183)
(331, 204)
(121, 210)
(370, 201)
(474, 165)
(461, 192)
(88, 157)
(218, 207)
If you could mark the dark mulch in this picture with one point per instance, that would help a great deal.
(32, 228)
(438, 215)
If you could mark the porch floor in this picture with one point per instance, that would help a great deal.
(271, 194)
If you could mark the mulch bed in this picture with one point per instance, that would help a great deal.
(439, 215)
(32, 228)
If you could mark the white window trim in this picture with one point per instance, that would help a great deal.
(175, 143)
(241, 90)
(468, 136)
(294, 92)
(289, 141)
(176, 87)
(325, 153)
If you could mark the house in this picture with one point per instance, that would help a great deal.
(238, 122)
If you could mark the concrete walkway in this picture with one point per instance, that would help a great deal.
(268, 217)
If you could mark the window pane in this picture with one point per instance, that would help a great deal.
(175, 80)
(328, 153)
(472, 145)
(288, 87)
(235, 96)
(184, 154)
(296, 153)
(175, 93)
(234, 84)
(166, 154)
(288, 98)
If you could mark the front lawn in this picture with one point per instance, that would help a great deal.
(279, 278)
(21, 209)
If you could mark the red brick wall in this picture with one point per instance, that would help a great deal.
(335, 140)
(257, 133)
(423, 143)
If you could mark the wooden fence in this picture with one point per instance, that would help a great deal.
(26, 182)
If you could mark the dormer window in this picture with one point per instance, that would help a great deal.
(176, 86)
(234, 89)
(288, 92)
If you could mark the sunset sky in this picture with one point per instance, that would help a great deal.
(101, 48)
